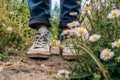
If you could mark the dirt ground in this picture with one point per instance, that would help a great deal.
(33, 69)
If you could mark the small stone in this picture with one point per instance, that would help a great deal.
(9, 63)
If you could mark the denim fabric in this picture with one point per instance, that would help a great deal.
(40, 12)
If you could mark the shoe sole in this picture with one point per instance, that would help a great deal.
(39, 55)
(69, 57)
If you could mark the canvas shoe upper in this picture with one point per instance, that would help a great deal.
(41, 46)
(67, 49)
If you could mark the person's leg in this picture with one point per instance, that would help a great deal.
(67, 6)
(40, 12)
(40, 20)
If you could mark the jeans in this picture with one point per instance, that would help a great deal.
(40, 12)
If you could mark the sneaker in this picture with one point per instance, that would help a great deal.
(41, 46)
(66, 49)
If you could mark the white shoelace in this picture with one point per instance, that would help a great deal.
(41, 40)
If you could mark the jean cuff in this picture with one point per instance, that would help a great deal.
(39, 20)
(63, 23)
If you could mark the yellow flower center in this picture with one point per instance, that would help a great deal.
(81, 31)
(118, 43)
(106, 54)
(62, 46)
(67, 30)
(73, 24)
(95, 38)
(114, 13)
(86, 7)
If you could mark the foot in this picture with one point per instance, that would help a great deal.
(41, 46)
(66, 48)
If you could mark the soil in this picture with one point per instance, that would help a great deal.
(23, 68)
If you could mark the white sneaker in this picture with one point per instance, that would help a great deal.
(41, 47)
(66, 48)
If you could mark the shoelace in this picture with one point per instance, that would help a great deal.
(41, 40)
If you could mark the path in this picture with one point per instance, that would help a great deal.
(31, 69)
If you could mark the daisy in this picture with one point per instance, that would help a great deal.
(106, 54)
(81, 32)
(73, 24)
(73, 14)
(86, 7)
(102, 1)
(116, 44)
(66, 32)
(72, 31)
(94, 37)
(63, 73)
(114, 14)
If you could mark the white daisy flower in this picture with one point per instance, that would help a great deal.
(9, 29)
(73, 24)
(63, 73)
(73, 14)
(94, 37)
(65, 32)
(106, 54)
(102, 1)
(114, 14)
(72, 31)
(86, 7)
(81, 32)
(116, 44)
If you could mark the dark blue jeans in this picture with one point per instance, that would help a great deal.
(40, 12)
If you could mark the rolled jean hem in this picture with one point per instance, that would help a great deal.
(39, 20)
(63, 23)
